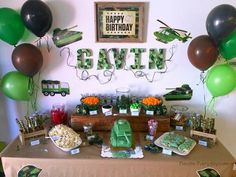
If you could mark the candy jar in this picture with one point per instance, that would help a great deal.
(58, 114)
(152, 129)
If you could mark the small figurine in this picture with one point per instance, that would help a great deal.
(152, 148)
(65, 37)
(168, 34)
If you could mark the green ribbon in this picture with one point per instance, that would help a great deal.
(211, 106)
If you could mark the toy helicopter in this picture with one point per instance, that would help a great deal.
(168, 34)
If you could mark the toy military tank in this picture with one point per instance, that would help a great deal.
(180, 93)
(65, 37)
(121, 134)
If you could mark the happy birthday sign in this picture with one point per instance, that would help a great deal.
(119, 22)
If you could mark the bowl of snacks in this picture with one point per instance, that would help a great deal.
(91, 104)
(64, 137)
(152, 105)
(135, 109)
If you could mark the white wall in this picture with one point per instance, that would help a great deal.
(185, 14)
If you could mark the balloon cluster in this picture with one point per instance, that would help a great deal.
(204, 50)
(36, 16)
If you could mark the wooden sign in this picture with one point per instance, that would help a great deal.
(119, 21)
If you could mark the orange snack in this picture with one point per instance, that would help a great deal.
(151, 101)
(90, 100)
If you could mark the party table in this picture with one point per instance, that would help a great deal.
(53, 162)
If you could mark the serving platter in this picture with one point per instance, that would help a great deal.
(54, 139)
(159, 143)
(64, 137)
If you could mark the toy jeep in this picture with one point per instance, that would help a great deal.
(121, 134)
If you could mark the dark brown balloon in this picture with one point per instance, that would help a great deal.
(202, 52)
(27, 59)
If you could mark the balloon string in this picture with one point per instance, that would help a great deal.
(67, 49)
(172, 51)
(28, 109)
(38, 43)
(33, 92)
(36, 89)
(202, 78)
(47, 42)
(30, 86)
(211, 106)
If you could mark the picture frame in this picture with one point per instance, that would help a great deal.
(119, 21)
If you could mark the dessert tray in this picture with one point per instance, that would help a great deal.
(64, 137)
(179, 144)
(129, 153)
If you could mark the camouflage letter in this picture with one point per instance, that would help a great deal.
(156, 59)
(84, 63)
(137, 52)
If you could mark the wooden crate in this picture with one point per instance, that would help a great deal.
(24, 136)
(105, 123)
(203, 134)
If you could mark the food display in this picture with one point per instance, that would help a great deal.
(90, 104)
(151, 101)
(177, 143)
(64, 137)
(121, 134)
(153, 105)
(90, 100)
(203, 124)
(177, 116)
(121, 142)
(31, 124)
(58, 114)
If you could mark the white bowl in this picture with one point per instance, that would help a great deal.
(107, 109)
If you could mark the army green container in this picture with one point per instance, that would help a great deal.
(121, 134)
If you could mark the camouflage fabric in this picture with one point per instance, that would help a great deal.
(29, 170)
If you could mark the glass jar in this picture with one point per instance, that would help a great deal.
(58, 114)
(122, 92)
(122, 99)
(177, 111)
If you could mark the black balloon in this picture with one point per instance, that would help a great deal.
(37, 17)
(221, 21)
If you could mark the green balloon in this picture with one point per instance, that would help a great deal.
(227, 46)
(11, 26)
(221, 80)
(15, 85)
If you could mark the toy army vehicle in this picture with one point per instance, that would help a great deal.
(168, 34)
(121, 134)
(65, 37)
(180, 93)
